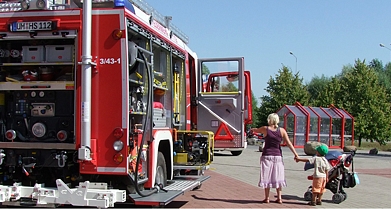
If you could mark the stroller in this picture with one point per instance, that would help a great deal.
(339, 176)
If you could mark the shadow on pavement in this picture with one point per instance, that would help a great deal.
(176, 204)
(292, 197)
(223, 154)
(241, 201)
(370, 155)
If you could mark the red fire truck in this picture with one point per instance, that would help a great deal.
(103, 102)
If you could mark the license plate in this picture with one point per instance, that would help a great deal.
(32, 26)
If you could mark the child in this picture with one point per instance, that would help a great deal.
(320, 176)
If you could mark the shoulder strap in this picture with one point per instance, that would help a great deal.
(352, 165)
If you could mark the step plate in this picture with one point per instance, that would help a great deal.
(183, 185)
(179, 185)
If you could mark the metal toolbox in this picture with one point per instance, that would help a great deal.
(59, 53)
(33, 53)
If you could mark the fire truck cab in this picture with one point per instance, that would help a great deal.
(103, 102)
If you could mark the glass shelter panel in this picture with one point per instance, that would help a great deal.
(286, 121)
(301, 125)
(325, 124)
(336, 125)
(314, 124)
(348, 129)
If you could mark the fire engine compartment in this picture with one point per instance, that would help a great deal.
(37, 121)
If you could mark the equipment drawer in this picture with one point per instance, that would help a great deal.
(33, 53)
(59, 53)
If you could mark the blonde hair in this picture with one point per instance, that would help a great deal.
(273, 119)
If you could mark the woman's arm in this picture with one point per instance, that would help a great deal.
(288, 142)
(327, 176)
(301, 159)
(260, 130)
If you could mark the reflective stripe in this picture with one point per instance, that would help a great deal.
(111, 169)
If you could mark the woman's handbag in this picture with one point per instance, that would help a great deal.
(349, 179)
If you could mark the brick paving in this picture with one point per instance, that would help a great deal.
(233, 184)
(385, 172)
(221, 191)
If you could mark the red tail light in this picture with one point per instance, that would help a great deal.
(62, 135)
(118, 133)
(10, 135)
(118, 158)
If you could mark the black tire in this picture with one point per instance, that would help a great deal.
(345, 196)
(261, 146)
(308, 196)
(236, 153)
(161, 170)
(337, 198)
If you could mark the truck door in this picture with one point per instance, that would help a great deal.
(224, 101)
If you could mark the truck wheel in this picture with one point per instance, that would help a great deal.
(236, 153)
(161, 170)
(261, 146)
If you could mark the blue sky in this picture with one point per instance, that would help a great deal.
(323, 35)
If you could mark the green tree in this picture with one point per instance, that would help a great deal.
(316, 88)
(285, 88)
(383, 73)
(377, 65)
(361, 95)
(328, 95)
(254, 105)
(205, 70)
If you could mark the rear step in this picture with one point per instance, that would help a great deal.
(180, 185)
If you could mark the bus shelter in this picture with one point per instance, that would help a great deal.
(331, 126)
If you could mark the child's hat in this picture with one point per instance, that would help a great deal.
(322, 149)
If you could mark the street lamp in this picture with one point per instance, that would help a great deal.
(295, 58)
(382, 45)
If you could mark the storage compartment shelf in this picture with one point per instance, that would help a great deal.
(36, 63)
(44, 85)
(159, 87)
(137, 113)
(136, 82)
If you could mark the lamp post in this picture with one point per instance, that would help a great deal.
(295, 58)
(382, 45)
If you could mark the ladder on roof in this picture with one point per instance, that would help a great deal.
(164, 20)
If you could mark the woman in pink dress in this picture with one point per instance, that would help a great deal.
(272, 165)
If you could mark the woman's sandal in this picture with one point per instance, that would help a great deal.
(265, 200)
(319, 202)
(279, 201)
(311, 203)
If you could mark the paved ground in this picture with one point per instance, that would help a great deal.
(233, 183)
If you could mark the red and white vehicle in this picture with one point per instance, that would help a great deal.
(103, 102)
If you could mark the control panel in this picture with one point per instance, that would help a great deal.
(41, 115)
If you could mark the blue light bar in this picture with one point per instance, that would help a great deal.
(124, 3)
